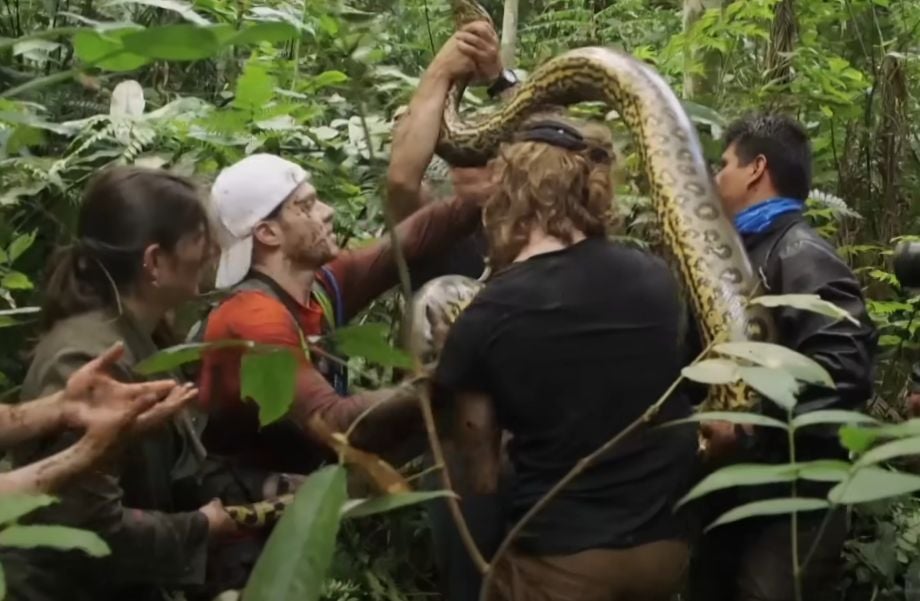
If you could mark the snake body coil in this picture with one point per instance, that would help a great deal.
(701, 242)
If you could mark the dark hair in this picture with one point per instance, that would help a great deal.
(784, 143)
(124, 210)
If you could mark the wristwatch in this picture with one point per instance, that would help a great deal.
(505, 80)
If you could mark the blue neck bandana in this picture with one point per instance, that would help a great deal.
(758, 218)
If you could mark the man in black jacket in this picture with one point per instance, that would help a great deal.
(764, 180)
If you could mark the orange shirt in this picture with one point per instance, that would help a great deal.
(361, 275)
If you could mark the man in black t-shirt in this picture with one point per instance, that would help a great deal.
(572, 339)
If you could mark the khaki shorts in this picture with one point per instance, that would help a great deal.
(650, 572)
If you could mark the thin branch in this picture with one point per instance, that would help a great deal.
(39, 82)
(576, 471)
(424, 399)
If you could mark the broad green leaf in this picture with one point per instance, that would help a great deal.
(174, 42)
(15, 280)
(35, 48)
(54, 537)
(269, 379)
(766, 354)
(824, 470)
(890, 450)
(106, 50)
(769, 507)
(746, 474)
(272, 32)
(13, 507)
(735, 417)
(873, 484)
(364, 507)
(856, 439)
(182, 8)
(712, 371)
(20, 245)
(806, 302)
(253, 88)
(369, 340)
(170, 358)
(775, 384)
(832, 416)
(328, 78)
(294, 563)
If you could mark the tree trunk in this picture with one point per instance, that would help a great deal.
(696, 85)
(509, 33)
(783, 35)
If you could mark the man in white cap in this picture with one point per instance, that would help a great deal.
(289, 278)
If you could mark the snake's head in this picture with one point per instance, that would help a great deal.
(468, 11)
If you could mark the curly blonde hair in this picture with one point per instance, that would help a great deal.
(559, 190)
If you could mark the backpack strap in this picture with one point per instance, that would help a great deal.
(332, 316)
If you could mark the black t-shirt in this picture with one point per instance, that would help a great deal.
(573, 346)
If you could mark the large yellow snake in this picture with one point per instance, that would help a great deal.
(701, 241)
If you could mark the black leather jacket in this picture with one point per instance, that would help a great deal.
(791, 258)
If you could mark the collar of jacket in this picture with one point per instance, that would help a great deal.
(758, 218)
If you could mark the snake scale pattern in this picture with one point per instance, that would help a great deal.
(701, 242)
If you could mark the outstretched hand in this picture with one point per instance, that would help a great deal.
(106, 409)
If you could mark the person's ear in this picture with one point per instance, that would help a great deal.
(154, 258)
(757, 170)
(267, 233)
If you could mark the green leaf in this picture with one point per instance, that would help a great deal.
(746, 474)
(254, 88)
(832, 416)
(775, 384)
(769, 507)
(272, 32)
(858, 439)
(294, 562)
(170, 358)
(824, 470)
(369, 340)
(182, 8)
(766, 354)
(890, 450)
(735, 417)
(15, 280)
(269, 380)
(713, 371)
(328, 78)
(20, 245)
(14, 506)
(174, 42)
(364, 507)
(806, 302)
(2, 583)
(873, 484)
(54, 537)
(106, 50)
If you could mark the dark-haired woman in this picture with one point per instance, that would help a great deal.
(142, 239)
(571, 340)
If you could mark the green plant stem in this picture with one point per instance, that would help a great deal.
(431, 430)
(39, 82)
(794, 520)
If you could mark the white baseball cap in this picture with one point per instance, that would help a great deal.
(242, 195)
